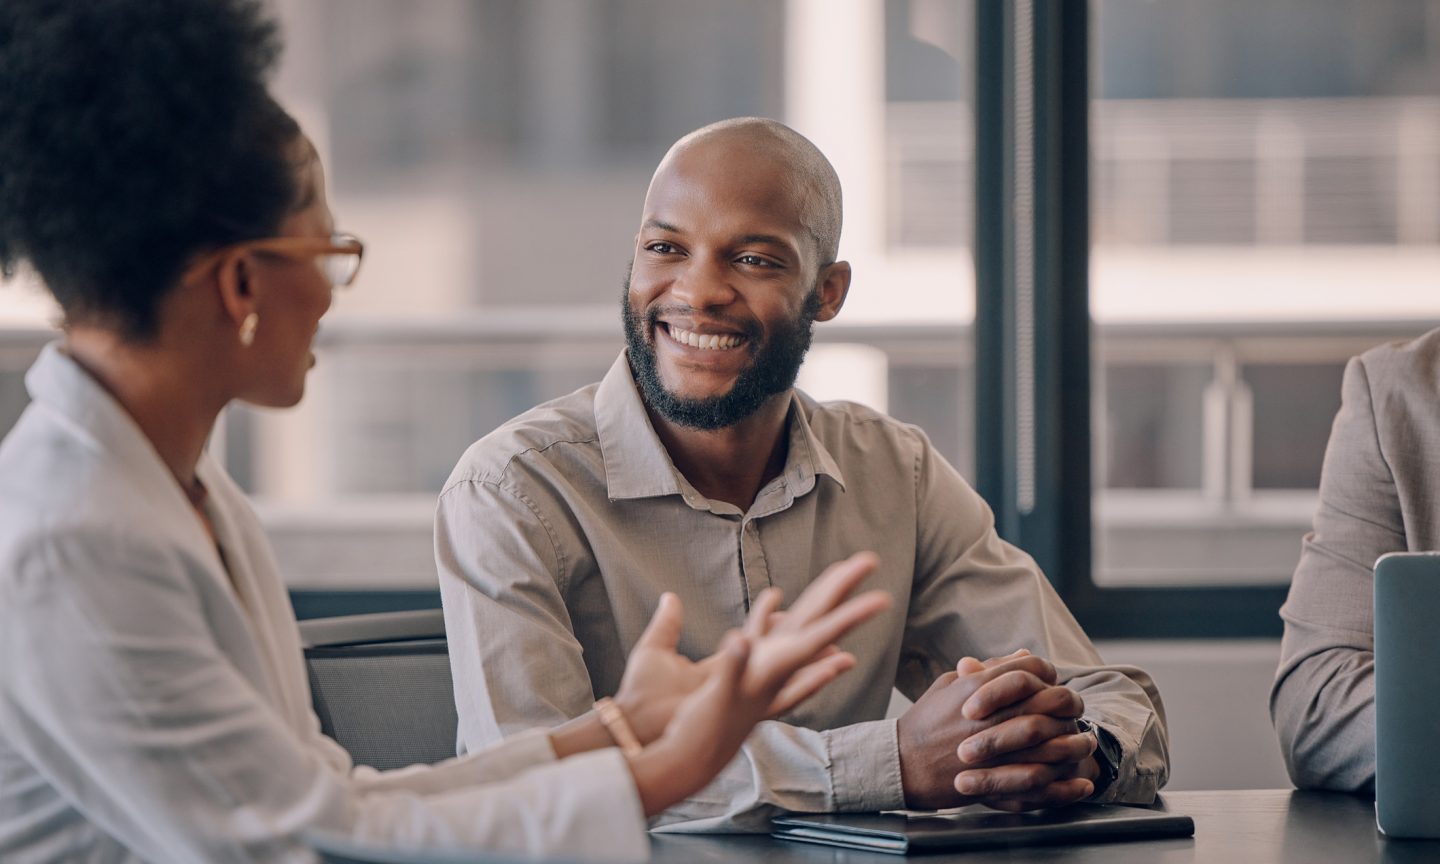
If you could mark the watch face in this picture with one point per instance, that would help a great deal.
(1107, 751)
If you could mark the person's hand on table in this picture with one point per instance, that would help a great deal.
(1031, 753)
(1024, 731)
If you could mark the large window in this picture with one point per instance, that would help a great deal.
(1250, 193)
(1265, 203)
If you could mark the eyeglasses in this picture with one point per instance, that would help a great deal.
(338, 255)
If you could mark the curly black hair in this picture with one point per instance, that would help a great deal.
(135, 134)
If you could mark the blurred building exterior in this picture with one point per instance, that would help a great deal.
(1265, 203)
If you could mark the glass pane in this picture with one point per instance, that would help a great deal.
(1266, 204)
(1294, 404)
(1153, 425)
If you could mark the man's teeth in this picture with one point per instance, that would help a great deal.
(708, 341)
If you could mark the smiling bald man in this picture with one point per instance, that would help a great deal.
(696, 467)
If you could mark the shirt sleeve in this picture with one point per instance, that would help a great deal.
(501, 562)
(114, 688)
(1323, 698)
(977, 595)
(514, 657)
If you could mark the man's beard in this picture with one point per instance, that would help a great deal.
(773, 367)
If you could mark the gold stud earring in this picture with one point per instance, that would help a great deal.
(247, 329)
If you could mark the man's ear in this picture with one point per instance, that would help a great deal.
(833, 286)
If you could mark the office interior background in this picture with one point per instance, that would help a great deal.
(1263, 202)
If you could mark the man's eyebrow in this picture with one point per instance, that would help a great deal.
(743, 239)
(768, 239)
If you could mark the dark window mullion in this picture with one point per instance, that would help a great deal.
(1055, 525)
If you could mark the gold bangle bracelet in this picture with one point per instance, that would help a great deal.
(613, 719)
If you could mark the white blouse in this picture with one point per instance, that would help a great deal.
(149, 711)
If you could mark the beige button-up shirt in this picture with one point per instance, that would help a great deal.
(558, 532)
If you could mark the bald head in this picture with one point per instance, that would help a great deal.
(811, 178)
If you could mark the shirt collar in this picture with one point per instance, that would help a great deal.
(638, 466)
(636, 463)
(808, 454)
(74, 399)
(72, 396)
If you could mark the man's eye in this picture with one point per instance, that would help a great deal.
(661, 248)
(754, 261)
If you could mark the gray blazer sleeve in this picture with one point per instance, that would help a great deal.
(1323, 698)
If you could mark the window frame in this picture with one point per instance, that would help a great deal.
(1033, 331)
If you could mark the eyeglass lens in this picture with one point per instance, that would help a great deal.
(340, 267)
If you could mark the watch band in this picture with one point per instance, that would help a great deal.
(1107, 754)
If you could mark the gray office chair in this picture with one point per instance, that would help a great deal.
(381, 685)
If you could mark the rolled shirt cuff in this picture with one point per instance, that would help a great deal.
(1134, 783)
(865, 767)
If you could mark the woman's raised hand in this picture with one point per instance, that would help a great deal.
(708, 708)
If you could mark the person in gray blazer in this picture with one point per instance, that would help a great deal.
(1379, 493)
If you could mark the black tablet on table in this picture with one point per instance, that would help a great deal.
(976, 828)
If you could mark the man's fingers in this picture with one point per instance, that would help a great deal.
(996, 661)
(1055, 701)
(1061, 749)
(969, 666)
(832, 586)
(1010, 688)
(1057, 794)
(762, 613)
(1027, 662)
(1058, 701)
(1007, 781)
(808, 681)
(1037, 666)
(1014, 735)
(663, 631)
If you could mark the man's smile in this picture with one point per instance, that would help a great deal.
(698, 338)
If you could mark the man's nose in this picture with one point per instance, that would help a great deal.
(703, 284)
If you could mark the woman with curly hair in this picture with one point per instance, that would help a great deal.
(153, 698)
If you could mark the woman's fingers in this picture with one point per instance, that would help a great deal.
(728, 668)
(832, 586)
(663, 631)
(836, 623)
(785, 653)
(808, 681)
(763, 613)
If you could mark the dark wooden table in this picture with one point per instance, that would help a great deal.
(1233, 827)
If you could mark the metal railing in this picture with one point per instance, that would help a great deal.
(1203, 171)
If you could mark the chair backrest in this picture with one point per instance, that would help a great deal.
(381, 686)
